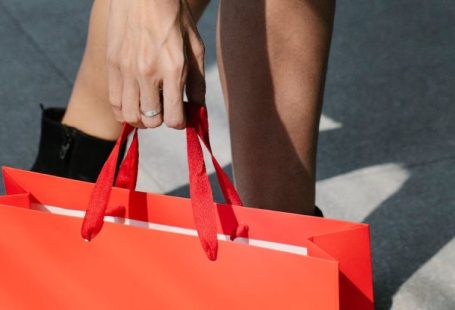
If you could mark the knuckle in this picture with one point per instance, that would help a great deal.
(118, 117)
(152, 122)
(175, 122)
(152, 81)
(145, 69)
(131, 117)
(177, 67)
(181, 60)
(176, 70)
(115, 101)
(115, 104)
(113, 60)
(125, 65)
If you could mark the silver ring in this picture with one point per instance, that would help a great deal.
(151, 113)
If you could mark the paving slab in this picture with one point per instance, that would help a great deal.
(27, 78)
(431, 287)
(387, 140)
(411, 210)
(390, 85)
(56, 28)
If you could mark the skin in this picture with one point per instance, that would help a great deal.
(273, 99)
(88, 108)
(149, 49)
(103, 83)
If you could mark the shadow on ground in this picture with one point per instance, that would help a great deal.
(390, 85)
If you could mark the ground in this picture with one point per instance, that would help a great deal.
(387, 140)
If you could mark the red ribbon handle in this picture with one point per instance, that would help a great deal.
(204, 210)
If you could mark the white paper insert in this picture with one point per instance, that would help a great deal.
(288, 248)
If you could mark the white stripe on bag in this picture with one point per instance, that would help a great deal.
(282, 247)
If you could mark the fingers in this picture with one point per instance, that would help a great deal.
(146, 52)
(115, 90)
(130, 103)
(174, 115)
(150, 101)
(129, 97)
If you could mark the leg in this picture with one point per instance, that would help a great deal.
(77, 145)
(89, 109)
(272, 56)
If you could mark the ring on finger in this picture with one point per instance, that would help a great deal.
(151, 113)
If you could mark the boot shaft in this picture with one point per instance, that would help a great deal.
(68, 152)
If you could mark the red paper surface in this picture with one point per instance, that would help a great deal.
(44, 263)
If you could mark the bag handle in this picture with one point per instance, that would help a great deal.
(127, 175)
(204, 212)
(198, 119)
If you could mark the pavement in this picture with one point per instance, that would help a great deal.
(387, 139)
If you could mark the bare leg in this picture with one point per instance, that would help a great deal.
(272, 56)
(89, 109)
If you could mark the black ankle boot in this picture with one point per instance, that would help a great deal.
(68, 152)
(318, 212)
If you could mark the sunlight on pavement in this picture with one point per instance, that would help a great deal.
(354, 195)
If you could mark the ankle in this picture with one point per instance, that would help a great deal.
(93, 121)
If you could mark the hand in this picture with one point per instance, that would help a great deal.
(153, 46)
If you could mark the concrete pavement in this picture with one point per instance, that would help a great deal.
(387, 142)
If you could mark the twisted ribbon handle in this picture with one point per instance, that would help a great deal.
(204, 208)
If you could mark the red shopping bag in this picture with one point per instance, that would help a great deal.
(147, 251)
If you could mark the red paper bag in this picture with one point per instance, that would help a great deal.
(147, 251)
